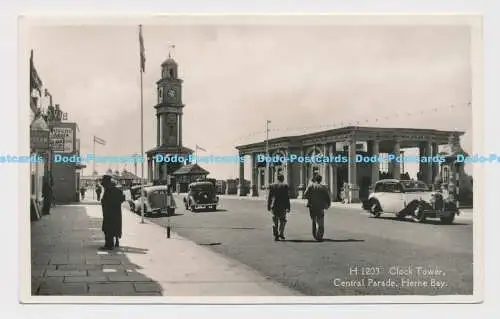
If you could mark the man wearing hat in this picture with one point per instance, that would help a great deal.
(278, 202)
(318, 200)
(112, 213)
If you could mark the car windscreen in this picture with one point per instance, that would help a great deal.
(158, 198)
(415, 186)
(202, 188)
(135, 192)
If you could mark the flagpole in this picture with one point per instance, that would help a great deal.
(93, 154)
(142, 139)
(93, 167)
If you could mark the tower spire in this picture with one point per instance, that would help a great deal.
(171, 49)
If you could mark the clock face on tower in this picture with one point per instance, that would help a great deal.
(171, 93)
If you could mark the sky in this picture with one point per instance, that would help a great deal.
(237, 76)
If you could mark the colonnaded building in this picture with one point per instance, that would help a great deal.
(348, 142)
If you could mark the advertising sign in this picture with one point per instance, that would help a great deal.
(61, 139)
(39, 140)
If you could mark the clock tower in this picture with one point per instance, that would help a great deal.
(169, 110)
(169, 105)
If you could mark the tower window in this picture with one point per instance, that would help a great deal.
(160, 95)
(172, 73)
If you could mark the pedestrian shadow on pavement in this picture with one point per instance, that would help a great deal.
(66, 260)
(208, 211)
(163, 215)
(324, 240)
(426, 222)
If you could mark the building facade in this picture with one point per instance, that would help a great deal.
(189, 174)
(346, 142)
(169, 111)
(64, 142)
(39, 142)
(39, 147)
(453, 177)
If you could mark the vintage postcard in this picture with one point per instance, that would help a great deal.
(251, 159)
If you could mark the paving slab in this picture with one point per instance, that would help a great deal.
(66, 261)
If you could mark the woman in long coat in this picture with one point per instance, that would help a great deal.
(112, 213)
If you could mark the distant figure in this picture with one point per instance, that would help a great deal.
(112, 213)
(438, 181)
(318, 199)
(82, 191)
(48, 196)
(98, 191)
(345, 193)
(278, 202)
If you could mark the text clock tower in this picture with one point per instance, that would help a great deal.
(169, 106)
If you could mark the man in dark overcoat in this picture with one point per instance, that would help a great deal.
(278, 202)
(112, 213)
(318, 199)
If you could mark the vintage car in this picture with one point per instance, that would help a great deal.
(409, 198)
(135, 193)
(157, 200)
(201, 195)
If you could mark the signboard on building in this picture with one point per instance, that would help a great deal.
(61, 139)
(39, 140)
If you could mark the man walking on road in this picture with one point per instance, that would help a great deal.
(98, 191)
(112, 213)
(318, 199)
(278, 202)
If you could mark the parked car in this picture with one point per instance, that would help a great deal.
(409, 198)
(201, 195)
(135, 193)
(157, 199)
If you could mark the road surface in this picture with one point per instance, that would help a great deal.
(359, 256)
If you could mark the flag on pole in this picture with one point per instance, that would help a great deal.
(142, 51)
(35, 81)
(200, 148)
(99, 140)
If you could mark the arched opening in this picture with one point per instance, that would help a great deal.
(313, 168)
(277, 168)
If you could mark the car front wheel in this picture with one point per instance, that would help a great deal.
(448, 220)
(418, 215)
(375, 209)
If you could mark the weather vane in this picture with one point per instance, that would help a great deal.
(171, 50)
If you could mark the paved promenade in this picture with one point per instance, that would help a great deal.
(66, 261)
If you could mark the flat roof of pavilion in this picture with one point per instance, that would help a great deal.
(410, 137)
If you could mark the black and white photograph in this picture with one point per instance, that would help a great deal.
(268, 159)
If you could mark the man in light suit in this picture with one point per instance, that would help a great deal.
(278, 202)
